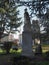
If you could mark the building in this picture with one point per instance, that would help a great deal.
(7, 38)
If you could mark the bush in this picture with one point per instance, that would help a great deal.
(7, 46)
(38, 50)
(47, 55)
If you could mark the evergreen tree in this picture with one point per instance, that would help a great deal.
(9, 20)
(9, 16)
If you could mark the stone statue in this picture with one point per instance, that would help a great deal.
(26, 17)
(27, 36)
(27, 23)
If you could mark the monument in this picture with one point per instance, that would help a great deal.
(27, 36)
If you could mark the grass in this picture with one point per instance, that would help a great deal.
(16, 51)
(26, 61)
(2, 51)
(45, 48)
(42, 63)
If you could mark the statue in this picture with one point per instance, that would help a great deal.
(27, 36)
(26, 17)
(27, 23)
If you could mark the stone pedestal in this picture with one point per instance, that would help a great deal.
(27, 36)
(27, 43)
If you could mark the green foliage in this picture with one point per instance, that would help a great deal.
(22, 60)
(41, 10)
(7, 46)
(42, 63)
(9, 16)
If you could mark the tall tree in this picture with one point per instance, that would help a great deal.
(40, 8)
(9, 17)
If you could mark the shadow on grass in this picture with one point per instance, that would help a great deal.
(22, 60)
(16, 58)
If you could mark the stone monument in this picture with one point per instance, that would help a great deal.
(27, 36)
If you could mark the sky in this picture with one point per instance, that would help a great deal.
(21, 14)
(25, 0)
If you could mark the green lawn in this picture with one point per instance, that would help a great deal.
(42, 63)
(45, 48)
(25, 61)
(18, 51)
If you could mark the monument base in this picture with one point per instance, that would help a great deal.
(27, 44)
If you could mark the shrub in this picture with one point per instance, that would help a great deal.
(38, 50)
(7, 46)
(47, 55)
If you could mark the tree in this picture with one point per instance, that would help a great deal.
(14, 20)
(36, 29)
(7, 46)
(46, 24)
(9, 17)
(9, 20)
(35, 26)
(36, 37)
(40, 8)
